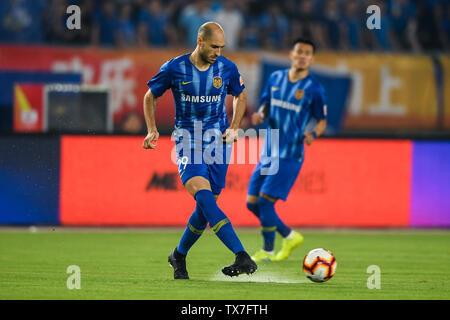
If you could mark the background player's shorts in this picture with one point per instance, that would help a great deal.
(214, 172)
(277, 185)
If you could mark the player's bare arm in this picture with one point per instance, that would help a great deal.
(239, 105)
(317, 131)
(149, 114)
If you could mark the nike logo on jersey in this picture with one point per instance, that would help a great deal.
(185, 82)
(275, 88)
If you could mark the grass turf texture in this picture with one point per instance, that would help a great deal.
(132, 264)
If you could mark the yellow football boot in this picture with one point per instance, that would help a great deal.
(289, 245)
(262, 255)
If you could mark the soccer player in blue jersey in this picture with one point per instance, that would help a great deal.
(290, 99)
(203, 137)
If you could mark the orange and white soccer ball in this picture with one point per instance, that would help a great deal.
(319, 265)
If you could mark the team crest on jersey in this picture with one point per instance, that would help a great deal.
(299, 94)
(217, 82)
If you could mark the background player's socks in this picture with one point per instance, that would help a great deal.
(268, 234)
(290, 235)
(268, 219)
(281, 227)
(196, 224)
(218, 221)
(253, 207)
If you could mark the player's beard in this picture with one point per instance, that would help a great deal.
(206, 58)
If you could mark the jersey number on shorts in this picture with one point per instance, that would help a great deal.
(182, 163)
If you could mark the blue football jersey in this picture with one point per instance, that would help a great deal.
(292, 105)
(199, 95)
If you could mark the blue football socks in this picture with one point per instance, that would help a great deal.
(283, 229)
(218, 221)
(195, 227)
(270, 222)
(253, 207)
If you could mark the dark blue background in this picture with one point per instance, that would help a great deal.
(29, 180)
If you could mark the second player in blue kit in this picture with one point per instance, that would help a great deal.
(291, 98)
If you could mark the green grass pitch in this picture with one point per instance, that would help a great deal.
(132, 264)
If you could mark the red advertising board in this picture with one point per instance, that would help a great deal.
(114, 181)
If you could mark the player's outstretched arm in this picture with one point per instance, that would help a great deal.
(149, 114)
(317, 131)
(239, 106)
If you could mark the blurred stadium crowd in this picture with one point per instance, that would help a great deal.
(406, 25)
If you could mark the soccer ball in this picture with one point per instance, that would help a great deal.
(319, 265)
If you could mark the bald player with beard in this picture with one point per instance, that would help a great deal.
(200, 82)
